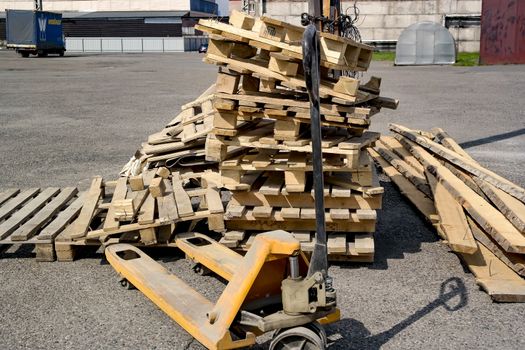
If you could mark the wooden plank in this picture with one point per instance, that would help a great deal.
(302, 236)
(492, 221)
(183, 201)
(418, 179)
(309, 213)
(513, 209)
(157, 187)
(80, 226)
(364, 243)
(366, 214)
(235, 211)
(395, 146)
(463, 163)
(291, 213)
(515, 261)
(213, 199)
(124, 209)
(63, 219)
(147, 211)
(26, 212)
(166, 205)
(30, 228)
(111, 223)
(424, 204)
(336, 244)
(234, 235)
(453, 221)
(444, 138)
(496, 278)
(8, 194)
(262, 212)
(273, 185)
(340, 214)
(14, 203)
(148, 236)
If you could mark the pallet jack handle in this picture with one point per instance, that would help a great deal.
(311, 59)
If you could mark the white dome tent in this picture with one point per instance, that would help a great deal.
(425, 43)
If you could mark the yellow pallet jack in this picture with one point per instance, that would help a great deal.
(273, 288)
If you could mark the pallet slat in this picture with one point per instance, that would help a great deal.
(29, 229)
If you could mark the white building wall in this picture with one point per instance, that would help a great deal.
(99, 5)
(386, 19)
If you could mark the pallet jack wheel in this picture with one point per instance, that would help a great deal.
(201, 269)
(299, 338)
(126, 284)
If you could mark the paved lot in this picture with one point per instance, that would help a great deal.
(63, 120)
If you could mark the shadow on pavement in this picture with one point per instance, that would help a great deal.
(352, 334)
(493, 138)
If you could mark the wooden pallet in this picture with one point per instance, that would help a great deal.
(334, 143)
(265, 218)
(241, 173)
(35, 216)
(354, 247)
(146, 213)
(271, 191)
(276, 36)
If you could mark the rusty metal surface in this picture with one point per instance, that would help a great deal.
(502, 32)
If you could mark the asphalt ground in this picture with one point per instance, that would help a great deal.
(63, 120)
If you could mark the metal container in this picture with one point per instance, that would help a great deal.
(502, 32)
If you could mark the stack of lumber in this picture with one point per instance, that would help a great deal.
(252, 127)
(479, 214)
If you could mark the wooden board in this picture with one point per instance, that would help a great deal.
(463, 163)
(492, 221)
(16, 202)
(515, 261)
(184, 206)
(64, 218)
(424, 204)
(26, 212)
(30, 228)
(496, 278)
(453, 221)
(80, 226)
(112, 223)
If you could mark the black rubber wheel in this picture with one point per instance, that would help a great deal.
(126, 284)
(61, 53)
(297, 338)
(24, 54)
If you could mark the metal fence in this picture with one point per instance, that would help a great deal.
(180, 44)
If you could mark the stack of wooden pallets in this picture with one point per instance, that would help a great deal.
(480, 214)
(252, 127)
(247, 135)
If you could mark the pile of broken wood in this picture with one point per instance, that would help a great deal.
(479, 214)
(251, 129)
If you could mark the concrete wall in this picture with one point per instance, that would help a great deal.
(99, 5)
(385, 20)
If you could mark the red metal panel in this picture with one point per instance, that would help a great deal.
(502, 32)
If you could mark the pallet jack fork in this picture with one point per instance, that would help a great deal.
(272, 288)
